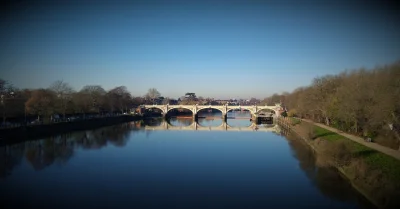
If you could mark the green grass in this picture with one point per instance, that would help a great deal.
(326, 134)
(377, 160)
(295, 121)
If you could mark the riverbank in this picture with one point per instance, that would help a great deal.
(386, 150)
(372, 173)
(19, 134)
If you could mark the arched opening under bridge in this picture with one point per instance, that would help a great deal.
(179, 113)
(209, 117)
(266, 116)
(239, 117)
(153, 112)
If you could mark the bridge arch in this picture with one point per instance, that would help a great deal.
(209, 107)
(249, 108)
(242, 108)
(232, 110)
(269, 109)
(177, 108)
(148, 108)
(272, 112)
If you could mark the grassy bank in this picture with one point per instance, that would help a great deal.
(375, 174)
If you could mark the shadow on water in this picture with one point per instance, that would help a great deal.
(60, 149)
(210, 122)
(326, 178)
(180, 121)
(153, 121)
(41, 153)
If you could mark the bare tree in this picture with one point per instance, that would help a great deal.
(41, 103)
(3, 92)
(82, 102)
(153, 93)
(7, 92)
(119, 97)
(3, 85)
(325, 88)
(63, 92)
(136, 101)
(190, 96)
(95, 94)
(254, 101)
(364, 102)
(166, 101)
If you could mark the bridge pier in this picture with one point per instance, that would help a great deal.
(254, 118)
(224, 117)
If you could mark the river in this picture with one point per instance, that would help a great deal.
(127, 166)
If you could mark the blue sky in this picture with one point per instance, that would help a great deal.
(220, 49)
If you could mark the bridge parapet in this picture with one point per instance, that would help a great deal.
(223, 108)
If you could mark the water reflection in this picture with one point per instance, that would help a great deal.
(59, 150)
(212, 121)
(10, 157)
(210, 124)
(325, 178)
(153, 121)
(239, 114)
(180, 121)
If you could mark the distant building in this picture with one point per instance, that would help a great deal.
(173, 102)
(222, 102)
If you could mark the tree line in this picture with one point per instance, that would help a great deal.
(365, 102)
(60, 98)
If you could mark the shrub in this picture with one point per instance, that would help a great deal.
(339, 153)
(292, 113)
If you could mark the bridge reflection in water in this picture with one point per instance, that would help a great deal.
(165, 125)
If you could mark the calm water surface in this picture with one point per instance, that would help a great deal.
(125, 166)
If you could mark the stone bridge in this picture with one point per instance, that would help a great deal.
(223, 127)
(223, 108)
